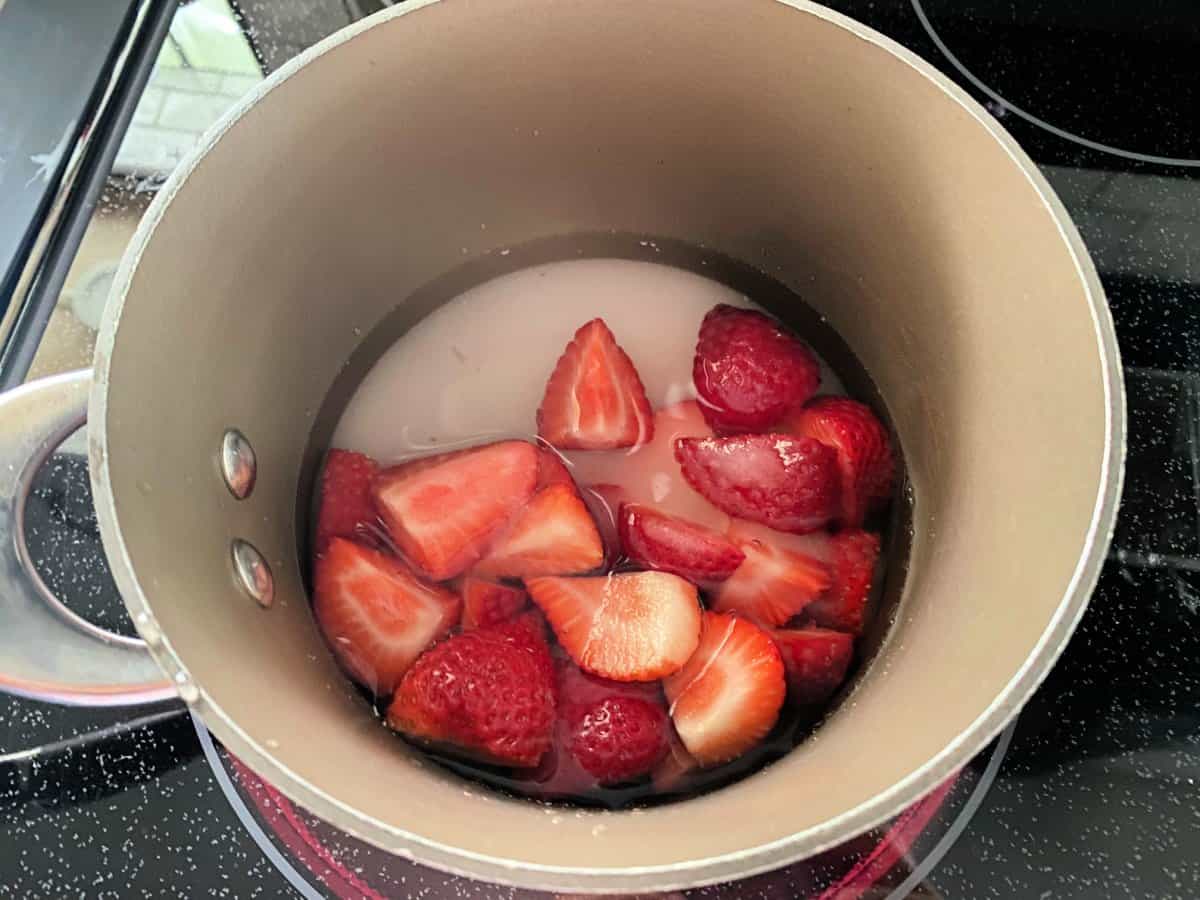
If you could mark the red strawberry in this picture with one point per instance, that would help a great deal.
(749, 371)
(844, 606)
(653, 540)
(552, 470)
(376, 614)
(773, 584)
(788, 483)
(487, 694)
(443, 512)
(487, 603)
(594, 399)
(346, 509)
(635, 627)
(864, 451)
(553, 535)
(603, 501)
(727, 698)
(816, 660)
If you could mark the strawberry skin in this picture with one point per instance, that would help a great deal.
(653, 540)
(553, 535)
(749, 371)
(346, 509)
(787, 483)
(815, 659)
(864, 450)
(773, 584)
(639, 626)
(727, 698)
(444, 511)
(487, 694)
(843, 607)
(488, 603)
(603, 502)
(376, 614)
(594, 399)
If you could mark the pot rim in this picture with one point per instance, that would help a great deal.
(671, 876)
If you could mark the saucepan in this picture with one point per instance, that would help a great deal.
(384, 169)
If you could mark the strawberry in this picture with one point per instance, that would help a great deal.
(552, 470)
(487, 694)
(654, 540)
(376, 614)
(864, 450)
(816, 660)
(594, 399)
(603, 502)
(443, 512)
(487, 603)
(773, 584)
(844, 606)
(553, 535)
(727, 698)
(632, 627)
(749, 371)
(345, 509)
(788, 483)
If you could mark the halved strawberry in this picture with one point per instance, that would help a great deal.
(654, 540)
(553, 535)
(727, 698)
(788, 483)
(552, 470)
(488, 603)
(376, 614)
(865, 459)
(443, 512)
(346, 509)
(634, 627)
(594, 399)
(816, 660)
(844, 606)
(487, 694)
(772, 584)
(749, 370)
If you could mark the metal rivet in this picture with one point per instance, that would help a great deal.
(238, 465)
(253, 573)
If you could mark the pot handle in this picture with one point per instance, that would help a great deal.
(48, 652)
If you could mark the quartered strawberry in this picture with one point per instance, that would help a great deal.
(443, 512)
(653, 540)
(864, 450)
(749, 371)
(844, 606)
(488, 603)
(346, 509)
(594, 399)
(485, 694)
(631, 627)
(815, 659)
(376, 614)
(773, 584)
(553, 535)
(727, 698)
(552, 470)
(788, 483)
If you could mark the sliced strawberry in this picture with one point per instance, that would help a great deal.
(346, 509)
(553, 535)
(773, 584)
(635, 627)
(749, 371)
(603, 502)
(816, 660)
(654, 540)
(552, 470)
(376, 614)
(487, 603)
(670, 775)
(443, 512)
(788, 483)
(865, 459)
(594, 399)
(844, 606)
(727, 698)
(486, 694)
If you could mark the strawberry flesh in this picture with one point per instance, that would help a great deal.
(773, 584)
(488, 603)
(553, 535)
(346, 509)
(653, 540)
(552, 470)
(816, 661)
(844, 606)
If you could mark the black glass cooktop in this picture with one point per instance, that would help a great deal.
(1092, 794)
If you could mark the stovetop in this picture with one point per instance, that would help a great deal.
(1093, 793)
